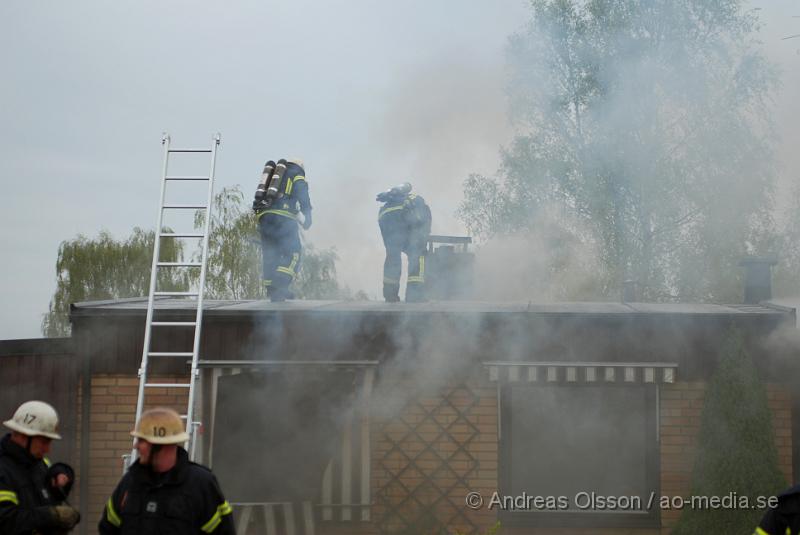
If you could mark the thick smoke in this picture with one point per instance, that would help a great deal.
(544, 265)
(441, 120)
(657, 154)
(433, 135)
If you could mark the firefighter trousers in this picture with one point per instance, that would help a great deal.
(280, 250)
(392, 268)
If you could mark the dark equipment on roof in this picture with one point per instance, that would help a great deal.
(451, 267)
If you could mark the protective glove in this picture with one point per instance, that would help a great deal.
(307, 221)
(65, 516)
(60, 477)
(258, 206)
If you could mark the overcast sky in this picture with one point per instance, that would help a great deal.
(368, 93)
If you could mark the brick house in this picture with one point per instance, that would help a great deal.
(366, 418)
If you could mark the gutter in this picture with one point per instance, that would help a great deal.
(86, 405)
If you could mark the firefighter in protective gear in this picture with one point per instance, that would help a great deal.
(32, 498)
(278, 227)
(785, 518)
(405, 222)
(164, 492)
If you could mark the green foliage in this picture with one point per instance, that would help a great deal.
(234, 261)
(494, 530)
(785, 274)
(104, 268)
(736, 449)
(428, 524)
(317, 277)
(234, 264)
(643, 136)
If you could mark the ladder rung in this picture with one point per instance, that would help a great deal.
(155, 305)
(186, 206)
(179, 264)
(180, 235)
(185, 416)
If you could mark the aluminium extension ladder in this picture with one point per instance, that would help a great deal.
(147, 354)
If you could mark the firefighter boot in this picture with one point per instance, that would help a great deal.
(279, 295)
(265, 288)
(391, 292)
(415, 293)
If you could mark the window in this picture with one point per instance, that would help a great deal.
(582, 454)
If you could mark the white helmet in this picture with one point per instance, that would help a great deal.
(297, 161)
(35, 418)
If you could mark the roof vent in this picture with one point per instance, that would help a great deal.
(757, 278)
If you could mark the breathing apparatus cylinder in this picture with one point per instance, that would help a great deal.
(261, 192)
(275, 181)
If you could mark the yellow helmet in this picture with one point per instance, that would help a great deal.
(35, 418)
(161, 426)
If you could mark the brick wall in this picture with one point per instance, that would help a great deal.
(681, 406)
(680, 409)
(470, 442)
(780, 401)
(112, 417)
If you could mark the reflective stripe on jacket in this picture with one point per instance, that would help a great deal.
(294, 198)
(185, 500)
(24, 498)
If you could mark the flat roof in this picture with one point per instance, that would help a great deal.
(211, 307)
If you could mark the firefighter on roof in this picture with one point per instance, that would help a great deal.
(164, 492)
(33, 494)
(405, 222)
(281, 195)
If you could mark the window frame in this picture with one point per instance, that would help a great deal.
(648, 519)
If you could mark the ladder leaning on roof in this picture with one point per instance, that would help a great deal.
(154, 292)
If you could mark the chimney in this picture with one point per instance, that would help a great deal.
(758, 278)
(450, 267)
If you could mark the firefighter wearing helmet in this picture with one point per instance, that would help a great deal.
(163, 491)
(282, 194)
(405, 223)
(32, 491)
